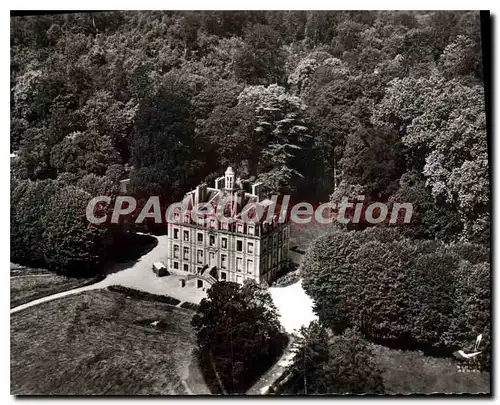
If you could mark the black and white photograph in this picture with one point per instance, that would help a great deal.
(243, 202)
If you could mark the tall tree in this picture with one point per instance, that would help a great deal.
(240, 327)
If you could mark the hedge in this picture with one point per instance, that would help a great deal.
(144, 295)
(423, 295)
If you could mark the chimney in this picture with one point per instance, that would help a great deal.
(218, 182)
(256, 190)
(200, 194)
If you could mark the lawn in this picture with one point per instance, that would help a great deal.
(103, 343)
(411, 372)
(37, 284)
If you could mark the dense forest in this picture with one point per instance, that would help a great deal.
(320, 105)
(317, 104)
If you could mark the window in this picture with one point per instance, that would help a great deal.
(186, 253)
(199, 257)
(176, 251)
(249, 266)
(223, 275)
(224, 243)
(213, 223)
(211, 240)
(251, 229)
(186, 267)
(186, 236)
(239, 264)
(239, 246)
(250, 247)
(199, 284)
(176, 265)
(223, 261)
(198, 269)
(200, 237)
(176, 233)
(239, 228)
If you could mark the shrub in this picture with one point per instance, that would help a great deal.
(144, 295)
(332, 365)
(379, 304)
(190, 305)
(351, 366)
(287, 279)
(431, 288)
(355, 278)
(327, 271)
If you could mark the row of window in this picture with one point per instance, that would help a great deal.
(214, 224)
(185, 237)
(211, 241)
(239, 264)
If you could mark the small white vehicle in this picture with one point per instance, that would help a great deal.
(159, 269)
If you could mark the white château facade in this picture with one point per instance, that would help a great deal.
(226, 250)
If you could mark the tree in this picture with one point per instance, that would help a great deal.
(373, 157)
(283, 138)
(240, 327)
(325, 364)
(311, 347)
(30, 203)
(162, 139)
(261, 60)
(72, 244)
(84, 153)
(431, 284)
(431, 219)
(109, 117)
(351, 366)
(443, 125)
(461, 58)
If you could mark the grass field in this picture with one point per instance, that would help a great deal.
(411, 372)
(31, 286)
(103, 343)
